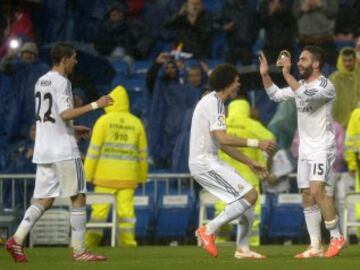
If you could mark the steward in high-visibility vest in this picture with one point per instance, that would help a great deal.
(116, 162)
(352, 152)
(239, 123)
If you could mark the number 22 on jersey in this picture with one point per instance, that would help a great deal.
(46, 98)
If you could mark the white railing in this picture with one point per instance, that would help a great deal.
(154, 178)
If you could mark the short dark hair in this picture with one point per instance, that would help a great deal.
(222, 76)
(61, 50)
(318, 54)
(348, 52)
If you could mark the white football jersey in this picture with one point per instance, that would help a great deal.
(55, 140)
(314, 113)
(209, 115)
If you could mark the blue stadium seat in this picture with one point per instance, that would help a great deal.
(142, 66)
(341, 44)
(174, 215)
(287, 218)
(214, 6)
(161, 46)
(218, 46)
(267, 201)
(145, 214)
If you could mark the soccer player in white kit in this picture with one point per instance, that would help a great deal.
(314, 95)
(208, 134)
(59, 168)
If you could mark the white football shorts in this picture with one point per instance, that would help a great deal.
(223, 182)
(60, 179)
(315, 167)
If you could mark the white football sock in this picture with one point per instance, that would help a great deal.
(245, 228)
(232, 211)
(78, 228)
(313, 224)
(333, 227)
(32, 214)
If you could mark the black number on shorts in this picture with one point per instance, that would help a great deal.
(47, 116)
(318, 169)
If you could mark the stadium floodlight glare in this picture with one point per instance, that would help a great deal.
(14, 44)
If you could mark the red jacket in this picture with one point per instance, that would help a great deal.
(20, 27)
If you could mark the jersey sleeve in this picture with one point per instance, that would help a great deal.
(64, 97)
(216, 116)
(276, 94)
(324, 91)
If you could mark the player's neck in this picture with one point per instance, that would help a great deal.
(60, 69)
(222, 95)
(313, 77)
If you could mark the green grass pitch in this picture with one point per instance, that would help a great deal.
(182, 258)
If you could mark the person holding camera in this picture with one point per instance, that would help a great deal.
(193, 26)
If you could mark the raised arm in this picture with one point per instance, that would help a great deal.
(274, 92)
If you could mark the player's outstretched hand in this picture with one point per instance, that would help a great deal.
(104, 101)
(82, 132)
(286, 65)
(267, 146)
(261, 171)
(264, 66)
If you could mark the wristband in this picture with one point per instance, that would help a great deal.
(94, 105)
(252, 142)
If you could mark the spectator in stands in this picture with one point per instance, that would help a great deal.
(121, 37)
(316, 24)
(89, 16)
(24, 72)
(21, 157)
(156, 14)
(197, 80)
(193, 26)
(116, 163)
(240, 24)
(240, 124)
(170, 100)
(28, 55)
(347, 19)
(180, 153)
(347, 84)
(153, 71)
(20, 28)
(161, 59)
(280, 28)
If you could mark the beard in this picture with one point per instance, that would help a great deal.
(307, 72)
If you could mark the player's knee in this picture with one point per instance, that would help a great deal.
(307, 198)
(79, 200)
(317, 193)
(46, 203)
(251, 196)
